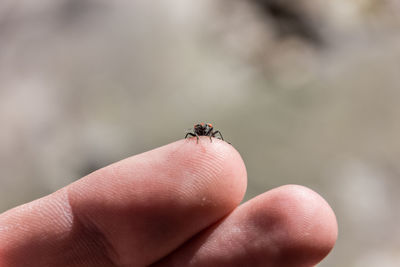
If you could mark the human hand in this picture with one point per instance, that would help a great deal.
(177, 205)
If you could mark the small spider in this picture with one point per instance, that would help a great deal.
(204, 129)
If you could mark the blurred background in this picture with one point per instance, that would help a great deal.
(308, 91)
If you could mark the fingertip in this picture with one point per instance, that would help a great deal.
(233, 178)
(287, 226)
(216, 166)
(306, 222)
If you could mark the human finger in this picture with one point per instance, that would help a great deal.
(287, 226)
(130, 213)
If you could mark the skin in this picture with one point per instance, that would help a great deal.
(177, 205)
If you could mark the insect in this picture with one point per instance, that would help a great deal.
(204, 129)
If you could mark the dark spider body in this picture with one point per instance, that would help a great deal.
(204, 129)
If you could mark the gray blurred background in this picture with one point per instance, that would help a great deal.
(308, 91)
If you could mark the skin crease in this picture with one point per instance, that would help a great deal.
(177, 205)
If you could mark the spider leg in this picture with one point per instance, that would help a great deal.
(217, 132)
(191, 134)
(210, 133)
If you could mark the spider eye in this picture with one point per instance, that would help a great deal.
(209, 125)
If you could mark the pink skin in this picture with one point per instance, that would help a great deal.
(177, 205)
